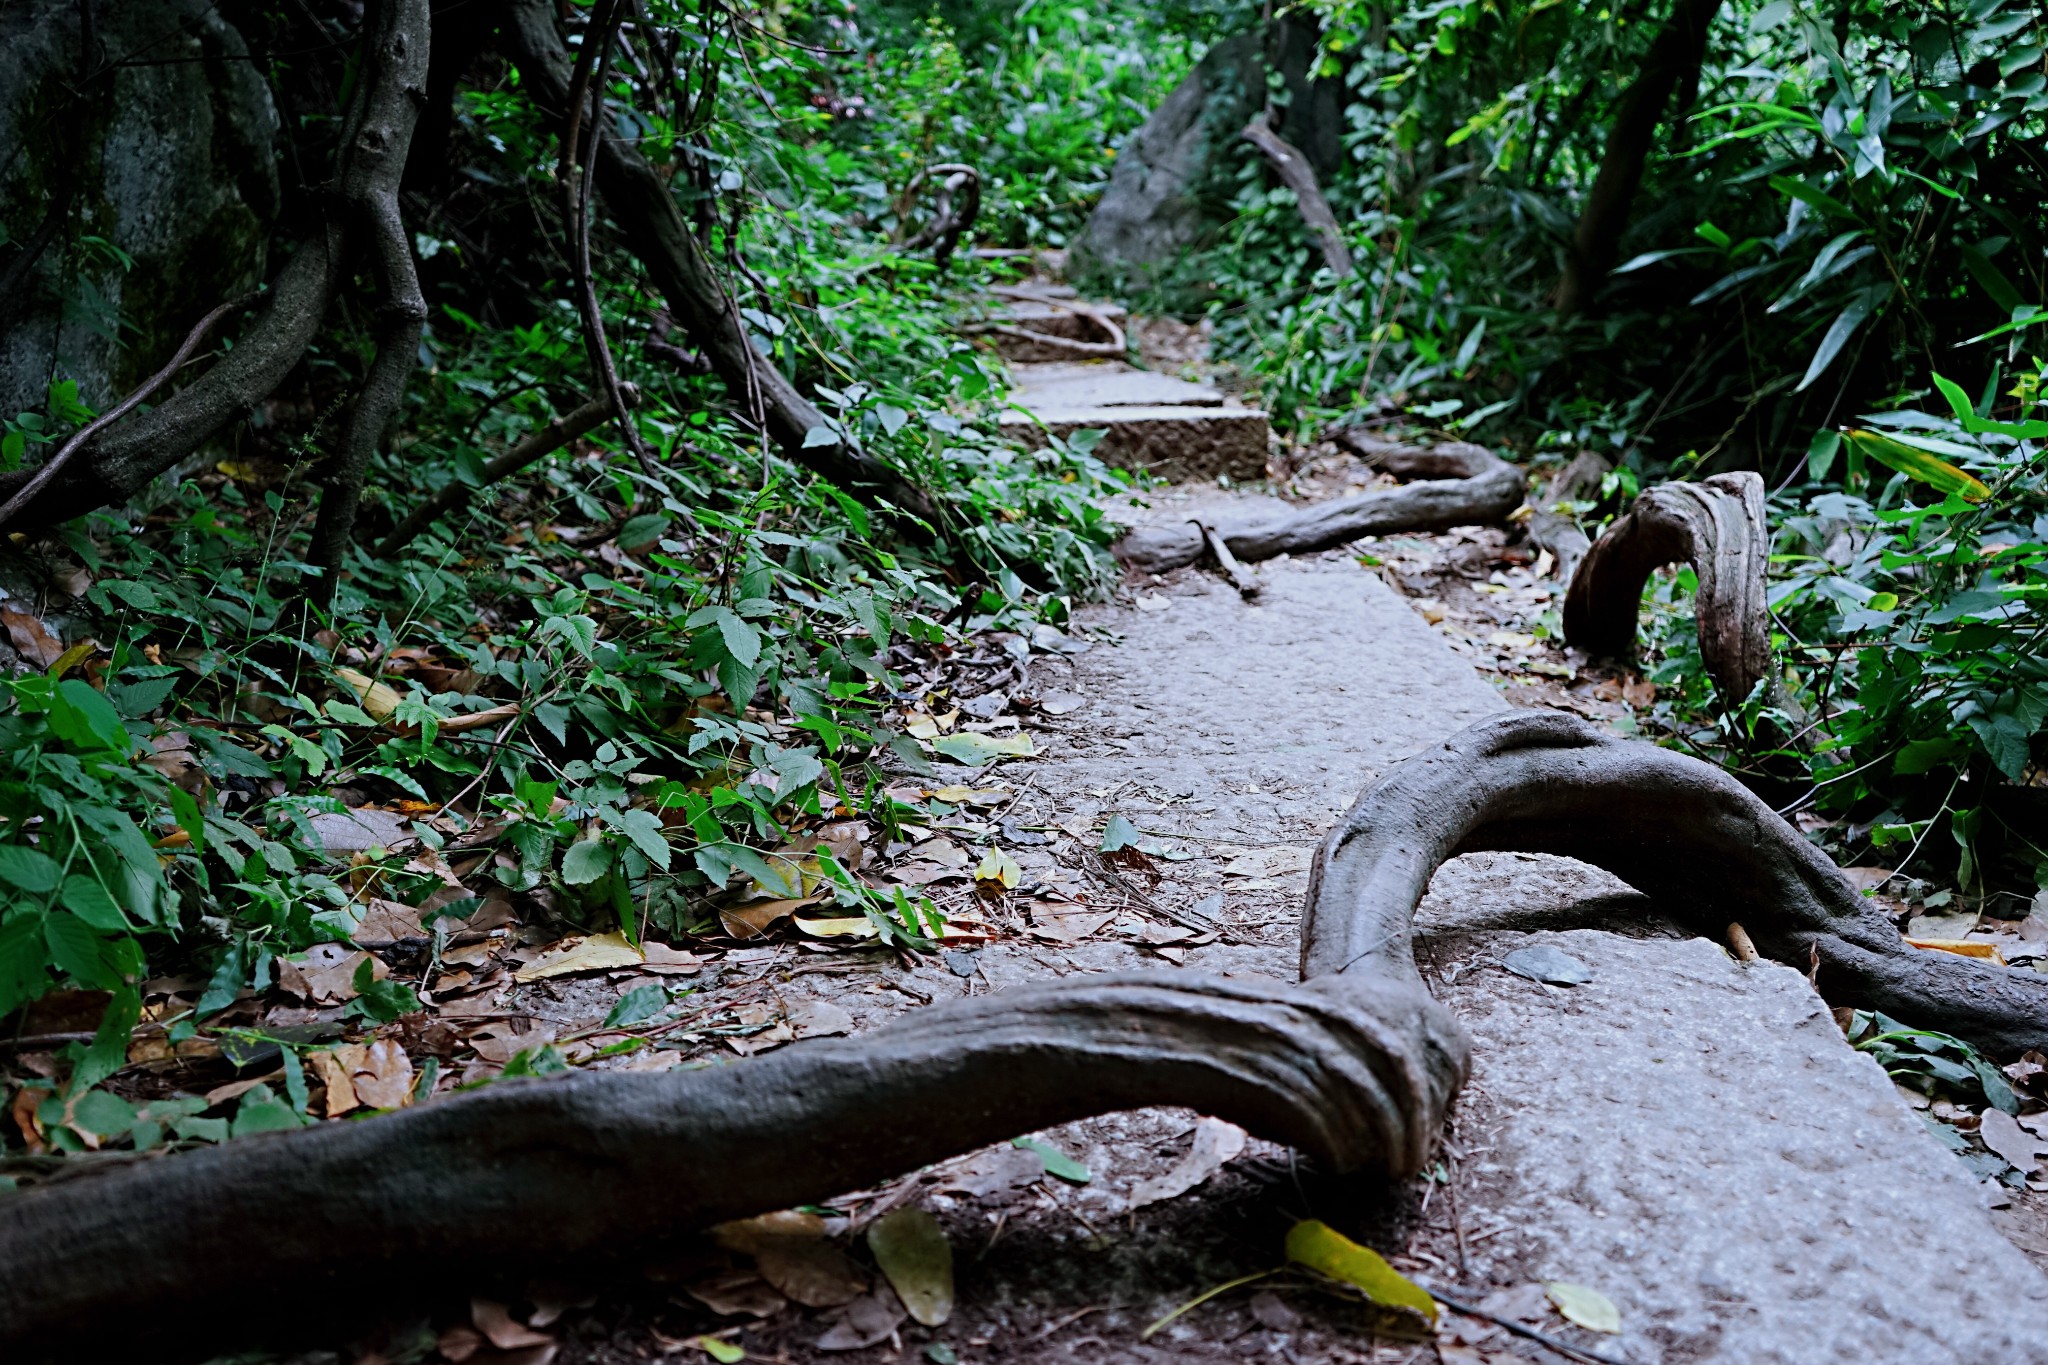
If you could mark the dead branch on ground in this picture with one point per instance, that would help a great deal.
(1553, 523)
(1459, 485)
(1716, 526)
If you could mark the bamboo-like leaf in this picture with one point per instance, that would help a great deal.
(1322, 1248)
(1929, 469)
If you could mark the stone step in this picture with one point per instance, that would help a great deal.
(1105, 384)
(1170, 441)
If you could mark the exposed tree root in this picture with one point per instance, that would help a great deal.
(949, 221)
(377, 141)
(1552, 526)
(1114, 345)
(1355, 1066)
(1716, 526)
(1679, 830)
(1296, 173)
(1462, 485)
(1357, 1069)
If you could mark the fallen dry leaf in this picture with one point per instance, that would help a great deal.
(867, 1321)
(589, 953)
(819, 1019)
(1216, 1144)
(995, 1173)
(751, 919)
(501, 1042)
(1282, 861)
(377, 699)
(32, 639)
(2002, 1133)
(380, 1073)
(912, 1251)
(477, 720)
(739, 1293)
(1961, 947)
(326, 973)
(504, 1331)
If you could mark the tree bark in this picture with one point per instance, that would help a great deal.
(1463, 485)
(377, 140)
(656, 233)
(1716, 526)
(1294, 171)
(1673, 61)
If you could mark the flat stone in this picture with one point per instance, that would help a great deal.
(358, 831)
(1693, 1138)
(1171, 442)
(1105, 384)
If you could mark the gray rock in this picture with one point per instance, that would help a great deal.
(358, 831)
(1693, 1139)
(1166, 191)
(170, 159)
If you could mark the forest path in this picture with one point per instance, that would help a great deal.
(1687, 1136)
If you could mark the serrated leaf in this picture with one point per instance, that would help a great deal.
(84, 719)
(94, 904)
(1329, 1252)
(973, 747)
(586, 861)
(1589, 1308)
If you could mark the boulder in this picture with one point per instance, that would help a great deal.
(138, 189)
(1169, 188)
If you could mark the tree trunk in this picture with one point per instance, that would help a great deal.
(655, 232)
(1673, 61)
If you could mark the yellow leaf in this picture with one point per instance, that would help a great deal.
(73, 657)
(1961, 947)
(976, 748)
(1916, 463)
(912, 1251)
(837, 928)
(724, 1352)
(957, 795)
(597, 953)
(1589, 1308)
(378, 699)
(998, 866)
(1327, 1251)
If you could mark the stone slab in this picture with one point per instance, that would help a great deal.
(1105, 384)
(1693, 1138)
(1169, 441)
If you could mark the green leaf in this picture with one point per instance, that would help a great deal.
(913, 1254)
(1588, 1308)
(1329, 1252)
(384, 1001)
(724, 1352)
(1839, 331)
(1118, 834)
(261, 1111)
(1057, 1163)
(103, 1115)
(643, 829)
(975, 748)
(1821, 452)
(94, 904)
(84, 719)
(28, 869)
(637, 1006)
(1918, 464)
(75, 949)
(109, 1050)
(185, 810)
(586, 861)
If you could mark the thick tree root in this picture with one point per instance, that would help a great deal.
(1716, 526)
(1462, 485)
(1679, 830)
(1357, 1069)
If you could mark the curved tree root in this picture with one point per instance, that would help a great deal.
(948, 221)
(1357, 1069)
(1718, 527)
(1680, 830)
(1462, 485)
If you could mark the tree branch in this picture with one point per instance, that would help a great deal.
(1295, 172)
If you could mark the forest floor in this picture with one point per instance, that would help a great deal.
(1689, 1137)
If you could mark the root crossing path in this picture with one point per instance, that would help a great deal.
(1687, 1135)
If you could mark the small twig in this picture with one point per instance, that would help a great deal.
(1247, 587)
(1563, 1348)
